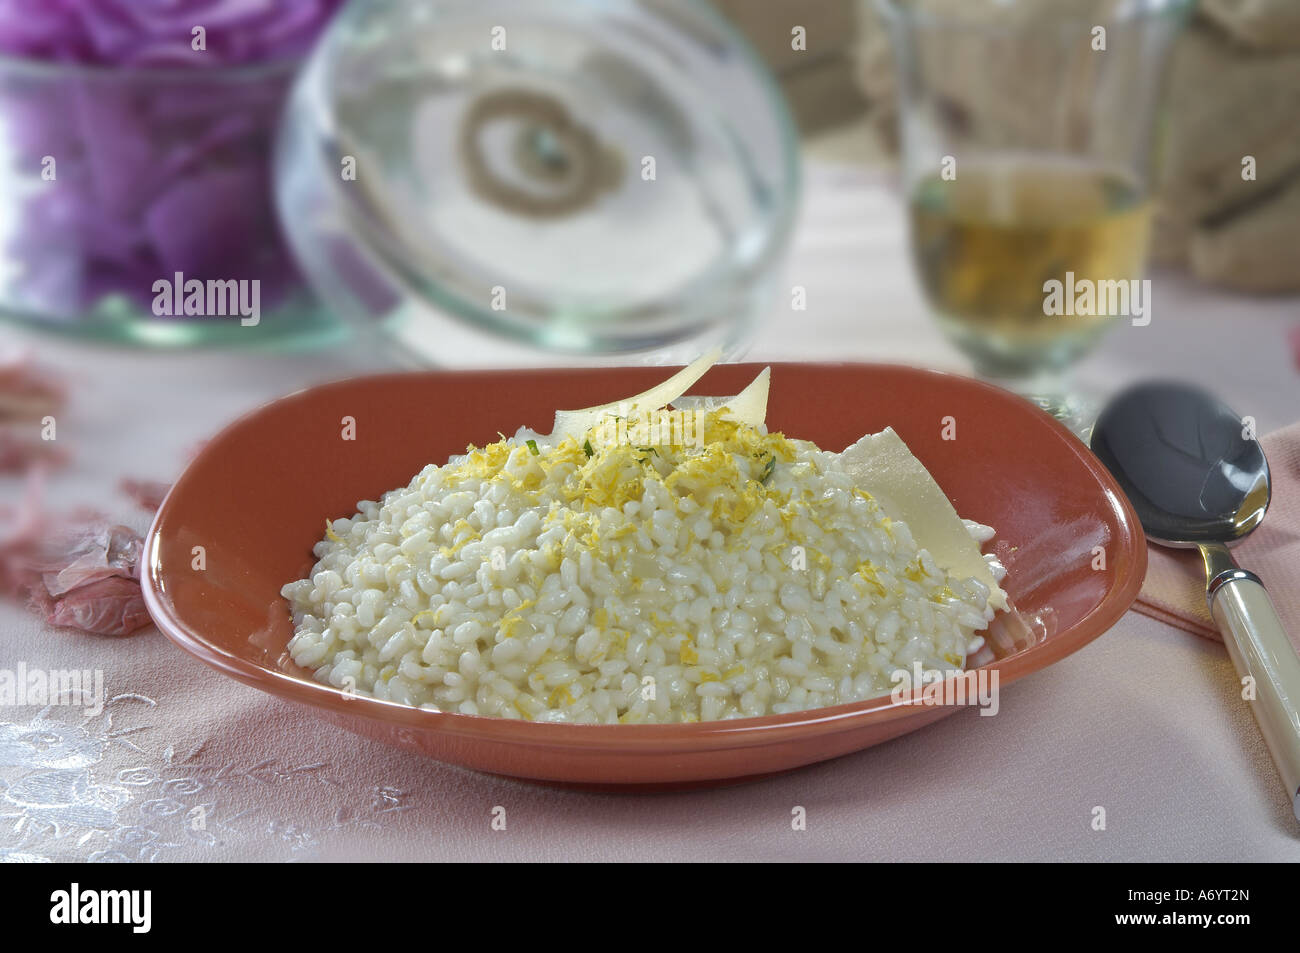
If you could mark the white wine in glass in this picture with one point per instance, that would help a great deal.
(987, 241)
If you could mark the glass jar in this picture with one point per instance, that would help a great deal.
(126, 189)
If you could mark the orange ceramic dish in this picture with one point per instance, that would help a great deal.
(257, 496)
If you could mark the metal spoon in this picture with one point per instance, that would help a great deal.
(1198, 479)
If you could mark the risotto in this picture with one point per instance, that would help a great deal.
(692, 568)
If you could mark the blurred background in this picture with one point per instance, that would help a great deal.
(209, 203)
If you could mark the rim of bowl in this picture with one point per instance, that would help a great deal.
(720, 734)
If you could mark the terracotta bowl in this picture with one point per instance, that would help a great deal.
(257, 496)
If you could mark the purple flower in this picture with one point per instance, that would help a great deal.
(162, 32)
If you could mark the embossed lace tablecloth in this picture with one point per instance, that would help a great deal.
(1144, 722)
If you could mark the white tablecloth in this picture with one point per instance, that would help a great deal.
(1143, 723)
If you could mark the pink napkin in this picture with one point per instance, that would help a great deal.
(1174, 590)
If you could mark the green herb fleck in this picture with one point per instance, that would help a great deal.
(768, 468)
(586, 448)
(532, 445)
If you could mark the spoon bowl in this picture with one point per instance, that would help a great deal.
(1191, 468)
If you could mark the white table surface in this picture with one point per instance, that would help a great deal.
(1142, 722)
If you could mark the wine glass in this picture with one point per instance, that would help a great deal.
(1028, 132)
